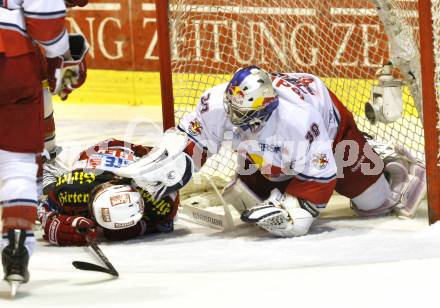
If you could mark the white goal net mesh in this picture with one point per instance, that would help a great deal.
(342, 41)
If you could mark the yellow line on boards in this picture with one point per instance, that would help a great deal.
(118, 87)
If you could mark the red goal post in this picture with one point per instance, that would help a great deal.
(429, 25)
(196, 52)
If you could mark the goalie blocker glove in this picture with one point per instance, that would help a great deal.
(169, 178)
(282, 215)
(165, 169)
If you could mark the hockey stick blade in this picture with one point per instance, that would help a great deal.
(86, 266)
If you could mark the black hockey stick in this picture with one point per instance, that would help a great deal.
(86, 266)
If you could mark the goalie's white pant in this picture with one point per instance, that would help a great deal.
(240, 195)
(375, 200)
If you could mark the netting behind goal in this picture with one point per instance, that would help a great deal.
(344, 42)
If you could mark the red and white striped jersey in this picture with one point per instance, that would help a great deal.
(26, 22)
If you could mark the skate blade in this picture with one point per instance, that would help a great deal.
(15, 285)
(14, 282)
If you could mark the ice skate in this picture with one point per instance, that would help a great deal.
(15, 258)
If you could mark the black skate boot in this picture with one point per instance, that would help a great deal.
(15, 258)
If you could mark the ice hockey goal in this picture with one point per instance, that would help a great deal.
(343, 41)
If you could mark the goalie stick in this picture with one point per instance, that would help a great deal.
(86, 266)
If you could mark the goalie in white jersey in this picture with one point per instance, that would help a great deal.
(296, 144)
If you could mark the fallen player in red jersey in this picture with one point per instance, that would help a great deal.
(91, 197)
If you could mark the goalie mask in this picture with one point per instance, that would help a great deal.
(250, 97)
(115, 206)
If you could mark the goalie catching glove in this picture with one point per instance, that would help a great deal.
(66, 73)
(165, 169)
(282, 215)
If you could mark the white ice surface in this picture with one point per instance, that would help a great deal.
(344, 262)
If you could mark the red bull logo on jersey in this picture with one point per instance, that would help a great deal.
(320, 161)
(195, 128)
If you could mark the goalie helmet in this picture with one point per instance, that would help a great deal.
(116, 206)
(250, 97)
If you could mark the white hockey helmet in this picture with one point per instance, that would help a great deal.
(116, 206)
(250, 97)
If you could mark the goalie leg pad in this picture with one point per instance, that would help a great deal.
(240, 196)
(407, 179)
(404, 188)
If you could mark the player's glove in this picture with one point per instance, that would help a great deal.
(73, 3)
(66, 230)
(282, 215)
(65, 75)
